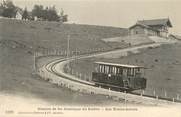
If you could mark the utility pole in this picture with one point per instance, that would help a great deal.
(68, 49)
(68, 45)
(34, 58)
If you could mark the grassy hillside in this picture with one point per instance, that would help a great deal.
(54, 35)
(131, 39)
(18, 41)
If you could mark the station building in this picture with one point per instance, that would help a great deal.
(155, 27)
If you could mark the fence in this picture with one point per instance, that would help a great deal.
(59, 52)
(77, 74)
(150, 91)
(162, 93)
(123, 97)
(80, 88)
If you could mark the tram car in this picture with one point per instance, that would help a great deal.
(118, 76)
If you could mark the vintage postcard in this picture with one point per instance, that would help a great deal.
(66, 58)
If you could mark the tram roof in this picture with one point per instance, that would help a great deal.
(119, 65)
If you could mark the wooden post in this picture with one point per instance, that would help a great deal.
(34, 59)
(56, 52)
(154, 92)
(178, 96)
(72, 71)
(85, 77)
(109, 92)
(77, 74)
(143, 92)
(90, 78)
(165, 94)
(65, 52)
(68, 48)
(125, 97)
(80, 75)
(47, 51)
(61, 52)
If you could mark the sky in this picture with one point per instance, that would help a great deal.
(117, 13)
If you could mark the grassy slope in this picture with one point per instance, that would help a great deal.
(132, 39)
(18, 39)
(16, 78)
(54, 35)
(163, 73)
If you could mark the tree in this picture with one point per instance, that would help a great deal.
(25, 14)
(49, 13)
(37, 11)
(52, 14)
(8, 9)
(63, 17)
(62, 12)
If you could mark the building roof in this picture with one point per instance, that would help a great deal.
(154, 22)
(142, 25)
(119, 65)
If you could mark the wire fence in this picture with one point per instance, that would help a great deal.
(59, 52)
(150, 91)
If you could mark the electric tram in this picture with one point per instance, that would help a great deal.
(119, 76)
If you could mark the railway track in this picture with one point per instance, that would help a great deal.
(52, 67)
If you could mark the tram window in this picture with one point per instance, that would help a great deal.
(121, 71)
(133, 72)
(128, 71)
(115, 70)
(118, 70)
(100, 68)
(106, 69)
(124, 72)
(103, 67)
(110, 69)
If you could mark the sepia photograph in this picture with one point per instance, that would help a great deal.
(66, 58)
